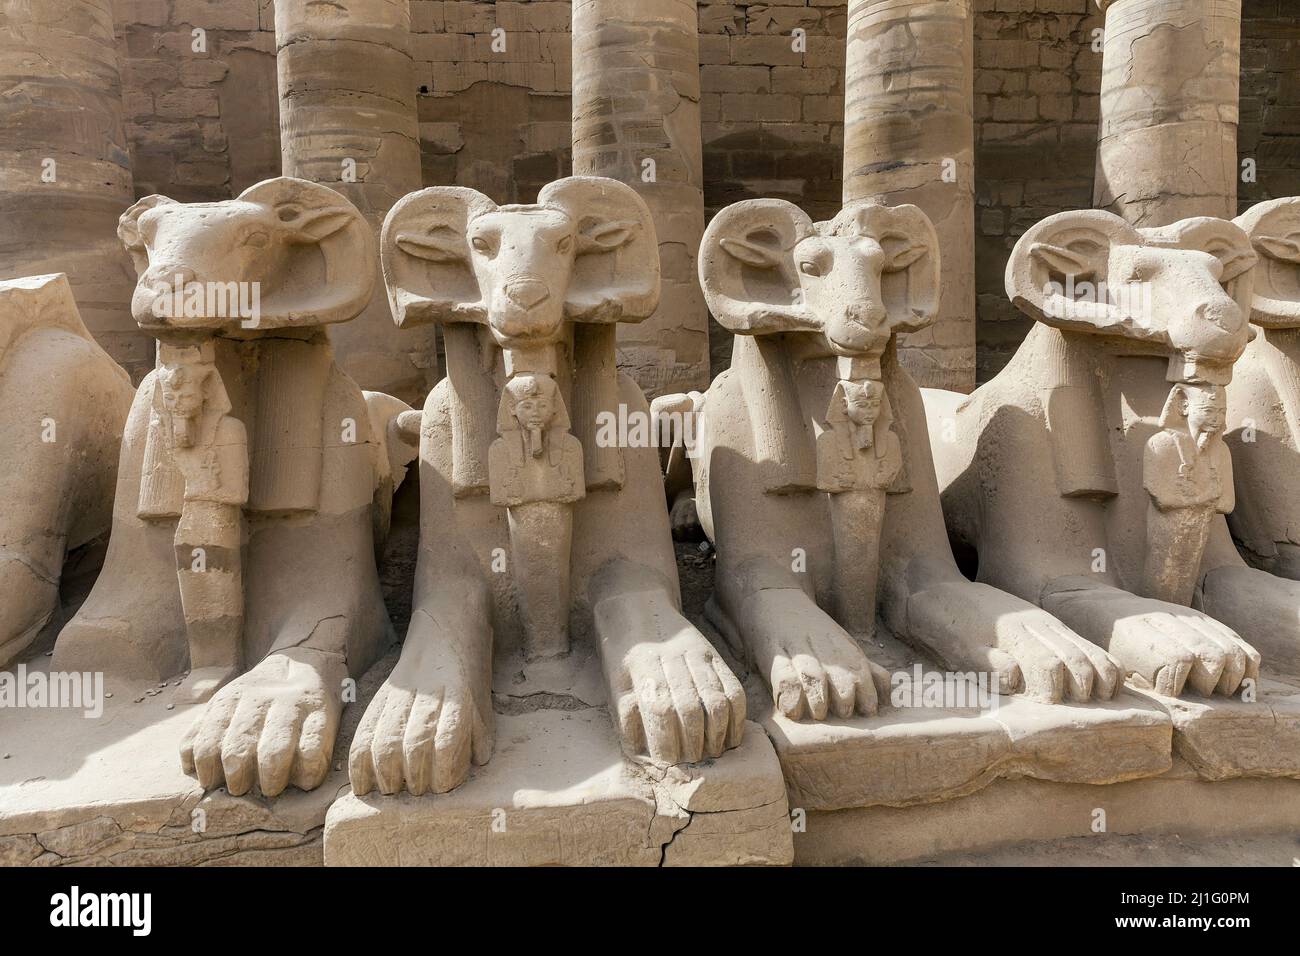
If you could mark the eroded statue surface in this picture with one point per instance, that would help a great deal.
(813, 476)
(253, 477)
(535, 536)
(63, 402)
(1091, 477)
(1264, 401)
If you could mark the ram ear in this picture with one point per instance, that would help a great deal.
(616, 264)
(1279, 248)
(128, 229)
(426, 256)
(747, 267)
(1062, 251)
(331, 264)
(1274, 231)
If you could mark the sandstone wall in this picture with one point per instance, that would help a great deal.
(204, 126)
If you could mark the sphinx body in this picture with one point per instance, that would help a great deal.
(813, 477)
(64, 404)
(1090, 475)
(251, 481)
(1264, 401)
(535, 536)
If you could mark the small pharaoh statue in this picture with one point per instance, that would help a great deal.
(197, 449)
(535, 459)
(859, 450)
(1187, 471)
(535, 471)
(858, 458)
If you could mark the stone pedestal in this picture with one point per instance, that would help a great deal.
(909, 138)
(636, 118)
(110, 790)
(1168, 141)
(559, 791)
(903, 757)
(1224, 737)
(65, 174)
(1036, 822)
(348, 120)
(915, 760)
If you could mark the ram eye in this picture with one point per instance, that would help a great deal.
(258, 239)
(481, 244)
(564, 245)
(810, 268)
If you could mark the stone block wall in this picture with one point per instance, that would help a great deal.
(204, 125)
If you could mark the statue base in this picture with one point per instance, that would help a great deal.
(110, 790)
(1175, 819)
(560, 791)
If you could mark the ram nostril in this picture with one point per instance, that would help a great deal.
(527, 293)
(168, 277)
(1226, 316)
(867, 315)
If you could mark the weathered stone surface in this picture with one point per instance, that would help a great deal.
(63, 403)
(1221, 739)
(65, 174)
(255, 480)
(558, 791)
(111, 790)
(903, 757)
(909, 138)
(636, 118)
(1113, 411)
(1169, 92)
(809, 478)
(18, 850)
(535, 538)
(1264, 401)
(1026, 812)
(348, 119)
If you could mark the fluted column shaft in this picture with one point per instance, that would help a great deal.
(348, 120)
(65, 173)
(1167, 148)
(909, 138)
(636, 118)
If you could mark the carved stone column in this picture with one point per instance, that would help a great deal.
(348, 120)
(65, 174)
(636, 118)
(909, 138)
(1170, 81)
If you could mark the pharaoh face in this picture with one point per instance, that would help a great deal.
(1205, 408)
(534, 402)
(182, 389)
(863, 404)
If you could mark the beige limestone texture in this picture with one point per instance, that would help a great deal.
(246, 505)
(909, 137)
(65, 798)
(915, 751)
(801, 575)
(989, 826)
(636, 118)
(64, 404)
(65, 173)
(348, 120)
(560, 790)
(527, 297)
(1113, 413)
(1167, 148)
(1264, 400)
